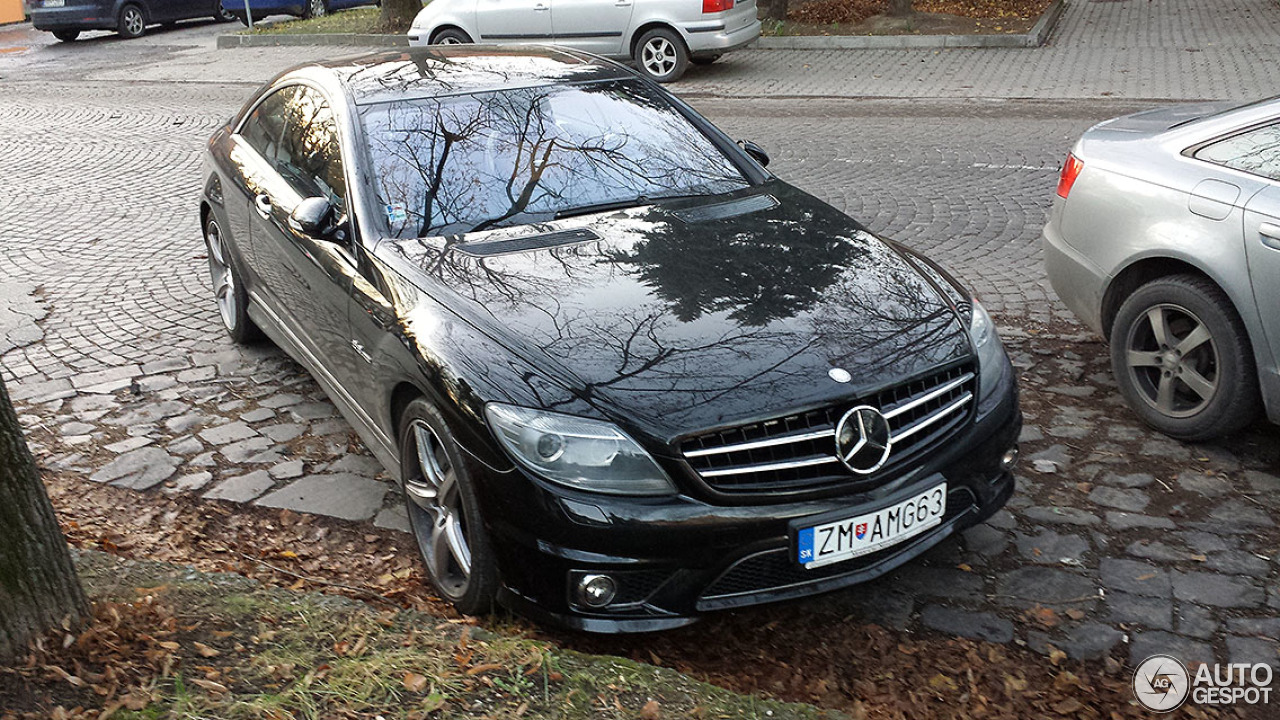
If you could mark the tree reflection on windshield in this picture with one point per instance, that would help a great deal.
(473, 162)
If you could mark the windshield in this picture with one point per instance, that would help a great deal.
(473, 162)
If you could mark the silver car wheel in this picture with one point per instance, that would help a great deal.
(437, 516)
(224, 279)
(133, 21)
(658, 56)
(317, 8)
(1173, 360)
(449, 40)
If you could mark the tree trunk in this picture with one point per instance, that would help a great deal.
(397, 15)
(38, 585)
(900, 8)
(775, 9)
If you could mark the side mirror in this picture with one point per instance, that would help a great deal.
(313, 216)
(756, 152)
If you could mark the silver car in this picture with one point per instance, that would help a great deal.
(661, 36)
(1165, 238)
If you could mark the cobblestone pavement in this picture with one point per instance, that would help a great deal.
(1130, 49)
(122, 373)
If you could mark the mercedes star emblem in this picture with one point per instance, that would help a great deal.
(863, 440)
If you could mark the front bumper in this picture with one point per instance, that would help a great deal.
(675, 558)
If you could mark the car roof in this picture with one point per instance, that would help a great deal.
(438, 70)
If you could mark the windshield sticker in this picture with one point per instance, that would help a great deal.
(396, 213)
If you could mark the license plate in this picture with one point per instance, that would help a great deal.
(55, 3)
(844, 539)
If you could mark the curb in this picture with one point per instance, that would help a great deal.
(1035, 38)
(354, 39)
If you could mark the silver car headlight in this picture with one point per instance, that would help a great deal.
(991, 358)
(580, 453)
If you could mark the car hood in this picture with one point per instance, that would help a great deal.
(684, 316)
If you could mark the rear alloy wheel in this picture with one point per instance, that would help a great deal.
(451, 36)
(661, 55)
(132, 22)
(443, 512)
(316, 8)
(224, 15)
(228, 292)
(1183, 360)
(66, 35)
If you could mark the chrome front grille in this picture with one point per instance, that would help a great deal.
(797, 453)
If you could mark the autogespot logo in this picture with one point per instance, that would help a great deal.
(1161, 683)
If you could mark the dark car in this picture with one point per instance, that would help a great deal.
(299, 8)
(625, 374)
(66, 19)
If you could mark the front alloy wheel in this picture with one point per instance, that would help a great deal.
(661, 55)
(444, 515)
(316, 8)
(1183, 360)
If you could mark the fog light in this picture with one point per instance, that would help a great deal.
(596, 590)
(1009, 459)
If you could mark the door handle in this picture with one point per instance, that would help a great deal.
(262, 204)
(541, 7)
(1270, 234)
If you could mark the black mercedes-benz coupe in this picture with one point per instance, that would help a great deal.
(625, 374)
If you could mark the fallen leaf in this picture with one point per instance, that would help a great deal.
(651, 711)
(211, 686)
(413, 682)
(484, 668)
(205, 650)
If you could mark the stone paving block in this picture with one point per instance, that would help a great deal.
(128, 444)
(1239, 513)
(1217, 590)
(1050, 587)
(1252, 650)
(978, 625)
(1195, 621)
(258, 415)
(1211, 486)
(287, 470)
(76, 428)
(985, 540)
(1133, 576)
(1262, 627)
(358, 464)
(1134, 480)
(280, 400)
(186, 483)
(109, 376)
(138, 469)
(1146, 643)
(283, 432)
(393, 518)
(247, 450)
(313, 411)
(1150, 612)
(241, 489)
(228, 433)
(342, 495)
(186, 445)
(165, 365)
(1128, 500)
(1238, 562)
(1128, 521)
(1050, 547)
(1061, 515)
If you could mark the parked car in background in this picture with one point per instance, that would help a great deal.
(661, 36)
(298, 8)
(66, 19)
(1165, 238)
(625, 375)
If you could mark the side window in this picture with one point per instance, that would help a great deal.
(264, 127)
(1256, 151)
(310, 158)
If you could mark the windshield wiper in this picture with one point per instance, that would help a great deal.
(601, 207)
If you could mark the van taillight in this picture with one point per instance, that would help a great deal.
(715, 6)
(1070, 171)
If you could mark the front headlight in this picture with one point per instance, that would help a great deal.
(578, 452)
(992, 362)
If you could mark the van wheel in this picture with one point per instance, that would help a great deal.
(66, 35)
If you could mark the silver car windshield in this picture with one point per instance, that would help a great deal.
(472, 162)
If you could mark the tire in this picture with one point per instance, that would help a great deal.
(451, 36)
(1183, 359)
(704, 59)
(661, 55)
(132, 22)
(315, 8)
(221, 14)
(228, 291)
(66, 35)
(447, 524)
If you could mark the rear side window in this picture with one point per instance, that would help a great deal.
(265, 125)
(1255, 151)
